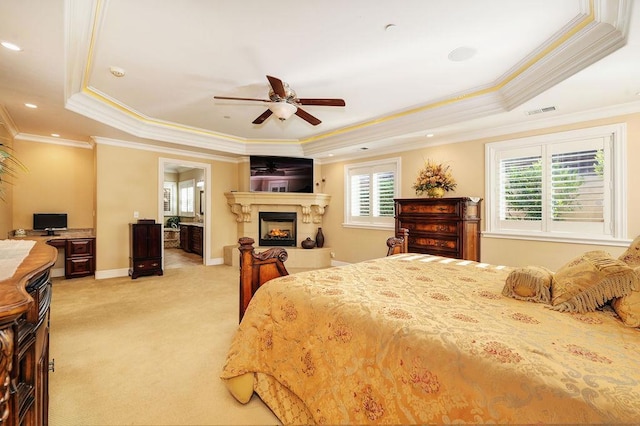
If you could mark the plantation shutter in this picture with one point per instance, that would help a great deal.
(520, 189)
(186, 198)
(371, 188)
(559, 187)
(384, 188)
(567, 186)
(578, 180)
(361, 195)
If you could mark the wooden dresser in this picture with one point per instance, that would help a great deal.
(145, 240)
(447, 227)
(24, 339)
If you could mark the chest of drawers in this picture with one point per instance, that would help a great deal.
(447, 227)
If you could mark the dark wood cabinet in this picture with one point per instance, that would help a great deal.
(191, 238)
(80, 257)
(24, 340)
(196, 240)
(146, 249)
(184, 237)
(447, 227)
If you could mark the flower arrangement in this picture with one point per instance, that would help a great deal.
(434, 179)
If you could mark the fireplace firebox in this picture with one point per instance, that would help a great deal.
(277, 229)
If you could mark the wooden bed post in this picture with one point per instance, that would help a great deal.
(399, 243)
(258, 268)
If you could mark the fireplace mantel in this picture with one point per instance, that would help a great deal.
(245, 205)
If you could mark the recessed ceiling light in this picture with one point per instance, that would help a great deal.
(364, 148)
(461, 54)
(34, 106)
(11, 46)
(390, 27)
(430, 135)
(55, 135)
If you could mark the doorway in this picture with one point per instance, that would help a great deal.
(184, 197)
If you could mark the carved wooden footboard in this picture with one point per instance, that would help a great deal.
(258, 268)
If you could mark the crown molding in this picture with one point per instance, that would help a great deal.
(8, 122)
(163, 150)
(599, 29)
(53, 141)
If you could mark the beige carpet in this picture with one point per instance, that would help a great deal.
(147, 351)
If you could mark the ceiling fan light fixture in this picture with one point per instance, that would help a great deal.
(282, 109)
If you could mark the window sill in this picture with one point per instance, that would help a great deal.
(560, 239)
(379, 227)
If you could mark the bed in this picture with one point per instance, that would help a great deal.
(414, 338)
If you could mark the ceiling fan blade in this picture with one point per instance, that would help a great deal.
(322, 102)
(307, 117)
(241, 99)
(262, 117)
(278, 87)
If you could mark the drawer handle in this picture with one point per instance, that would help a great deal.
(442, 228)
(441, 208)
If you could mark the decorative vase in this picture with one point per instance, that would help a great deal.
(319, 238)
(308, 243)
(435, 192)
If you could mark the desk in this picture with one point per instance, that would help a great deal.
(79, 247)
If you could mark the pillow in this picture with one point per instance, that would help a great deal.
(628, 307)
(632, 255)
(241, 387)
(530, 283)
(589, 281)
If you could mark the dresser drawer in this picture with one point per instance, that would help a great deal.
(434, 243)
(146, 265)
(431, 227)
(79, 247)
(436, 208)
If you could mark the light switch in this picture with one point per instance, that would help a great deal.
(136, 215)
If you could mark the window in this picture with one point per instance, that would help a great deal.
(567, 186)
(186, 198)
(169, 198)
(369, 192)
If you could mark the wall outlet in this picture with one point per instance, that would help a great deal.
(136, 215)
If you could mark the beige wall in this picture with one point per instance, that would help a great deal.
(115, 181)
(135, 188)
(60, 179)
(467, 162)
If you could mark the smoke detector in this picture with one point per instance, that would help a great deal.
(117, 71)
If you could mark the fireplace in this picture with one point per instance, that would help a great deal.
(277, 229)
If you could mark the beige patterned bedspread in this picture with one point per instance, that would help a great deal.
(422, 339)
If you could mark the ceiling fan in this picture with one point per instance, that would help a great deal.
(283, 102)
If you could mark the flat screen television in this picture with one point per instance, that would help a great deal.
(281, 174)
(49, 222)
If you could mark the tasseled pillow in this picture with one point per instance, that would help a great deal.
(632, 255)
(530, 283)
(589, 281)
